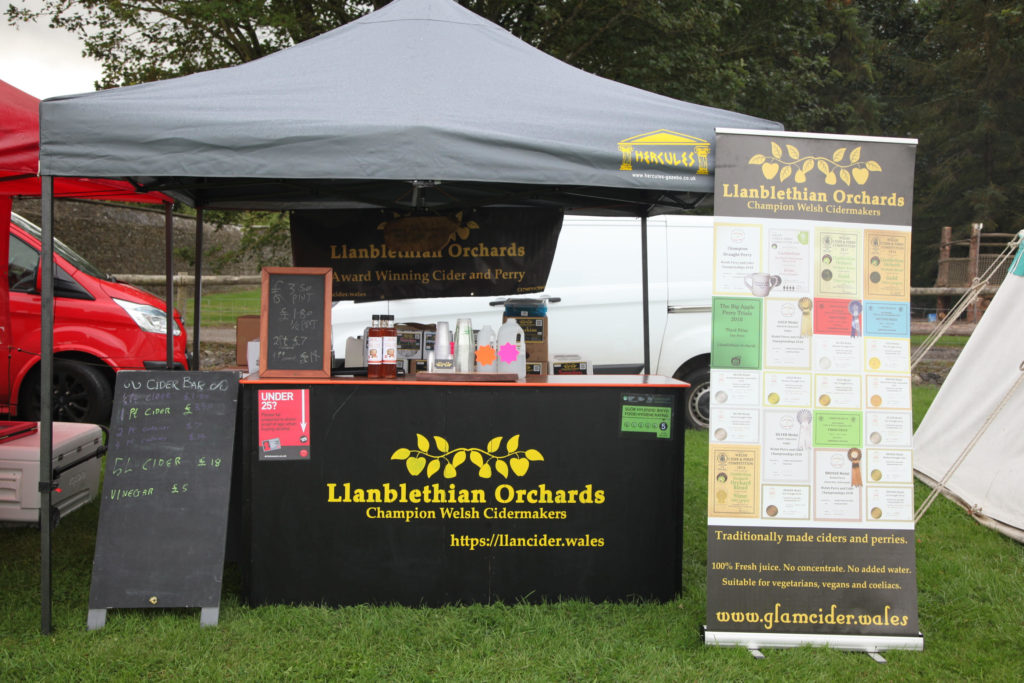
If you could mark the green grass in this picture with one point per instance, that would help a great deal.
(969, 584)
(223, 308)
(946, 340)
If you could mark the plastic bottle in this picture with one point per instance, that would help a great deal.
(486, 361)
(375, 349)
(390, 339)
(511, 345)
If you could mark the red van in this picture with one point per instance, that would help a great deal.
(100, 326)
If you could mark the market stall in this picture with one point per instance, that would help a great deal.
(422, 108)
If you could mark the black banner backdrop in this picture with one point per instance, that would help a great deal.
(810, 476)
(382, 255)
(465, 494)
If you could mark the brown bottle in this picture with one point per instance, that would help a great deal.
(390, 346)
(375, 349)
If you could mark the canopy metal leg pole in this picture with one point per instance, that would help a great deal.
(46, 402)
(197, 289)
(169, 269)
(646, 294)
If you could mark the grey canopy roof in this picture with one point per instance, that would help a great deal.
(421, 102)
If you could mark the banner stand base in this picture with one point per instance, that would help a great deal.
(757, 641)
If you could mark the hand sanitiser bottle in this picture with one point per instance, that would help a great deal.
(512, 349)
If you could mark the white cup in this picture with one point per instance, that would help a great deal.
(252, 355)
(761, 284)
(442, 342)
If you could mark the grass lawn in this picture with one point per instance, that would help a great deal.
(971, 606)
(223, 308)
(945, 340)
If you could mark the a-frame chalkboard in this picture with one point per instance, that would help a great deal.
(164, 511)
(295, 322)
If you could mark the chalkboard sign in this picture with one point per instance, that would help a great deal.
(295, 338)
(163, 516)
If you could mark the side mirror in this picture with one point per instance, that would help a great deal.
(39, 276)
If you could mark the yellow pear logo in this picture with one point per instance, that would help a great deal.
(848, 169)
(490, 460)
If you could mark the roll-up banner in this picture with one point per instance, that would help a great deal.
(810, 476)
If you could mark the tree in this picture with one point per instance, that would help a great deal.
(968, 89)
(145, 40)
(940, 70)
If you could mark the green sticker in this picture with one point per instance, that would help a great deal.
(647, 414)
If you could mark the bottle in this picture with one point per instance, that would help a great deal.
(486, 356)
(390, 345)
(375, 349)
(512, 348)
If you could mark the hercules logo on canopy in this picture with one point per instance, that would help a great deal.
(665, 149)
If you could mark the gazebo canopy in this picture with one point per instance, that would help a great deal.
(19, 157)
(419, 104)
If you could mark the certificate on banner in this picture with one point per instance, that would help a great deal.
(889, 466)
(890, 429)
(891, 392)
(890, 503)
(887, 355)
(735, 425)
(786, 453)
(836, 498)
(733, 481)
(887, 318)
(738, 254)
(785, 502)
(784, 345)
(837, 353)
(736, 332)
(837, 263)
(787, 389)
(735, 388)
(788, 255)
(887, 264)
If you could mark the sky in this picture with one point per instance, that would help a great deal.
(42, 61)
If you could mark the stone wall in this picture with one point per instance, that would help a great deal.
(130, 239)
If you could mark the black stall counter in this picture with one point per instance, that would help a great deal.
(430, 493)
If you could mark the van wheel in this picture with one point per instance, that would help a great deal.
(81, 393)
(697, 399)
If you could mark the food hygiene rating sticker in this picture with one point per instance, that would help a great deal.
(647, 415)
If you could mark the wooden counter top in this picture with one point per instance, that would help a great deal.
(529, 381)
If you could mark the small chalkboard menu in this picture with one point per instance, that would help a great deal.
(164, 510)
(295, 309)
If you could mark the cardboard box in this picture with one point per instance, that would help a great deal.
(536, 367)
(536, 329)
(410, 342)
(247, 328)
(570, 367)
(428, 342)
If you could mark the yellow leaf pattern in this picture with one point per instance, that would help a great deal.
(797, 167)
(487, 461)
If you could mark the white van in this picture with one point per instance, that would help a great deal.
(596, 279)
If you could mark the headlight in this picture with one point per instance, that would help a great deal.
(148, 318)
